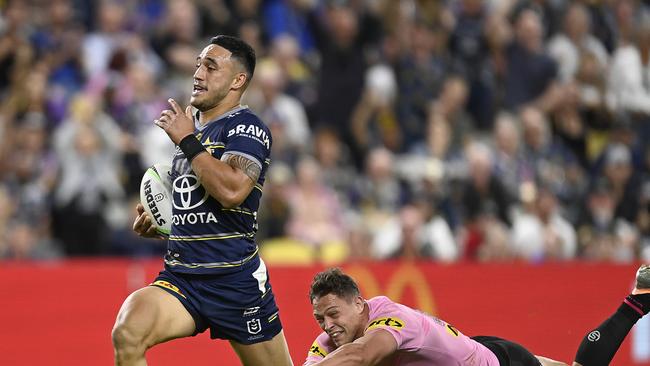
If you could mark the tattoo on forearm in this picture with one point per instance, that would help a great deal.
(249, 167)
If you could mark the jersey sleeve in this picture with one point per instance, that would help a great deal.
(318, 350)
(404, 327)
(249, 138)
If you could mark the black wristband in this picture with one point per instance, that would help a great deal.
(191, 147)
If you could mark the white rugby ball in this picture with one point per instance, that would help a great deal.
(156, 196)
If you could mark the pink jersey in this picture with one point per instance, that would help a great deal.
(422, 340)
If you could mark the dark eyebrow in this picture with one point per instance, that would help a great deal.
(210, 59)
(333, 307)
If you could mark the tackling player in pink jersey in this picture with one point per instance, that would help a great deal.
(378, 331)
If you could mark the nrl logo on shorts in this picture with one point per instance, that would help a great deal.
(254, 326)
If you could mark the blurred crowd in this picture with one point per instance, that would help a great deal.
(444, 130)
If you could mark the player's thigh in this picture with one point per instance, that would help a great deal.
(153, 315)
(273, 352)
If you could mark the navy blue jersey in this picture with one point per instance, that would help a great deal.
(205, 236)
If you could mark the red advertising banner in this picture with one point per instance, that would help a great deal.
(61, 313)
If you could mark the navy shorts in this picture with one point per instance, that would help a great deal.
(237, 306)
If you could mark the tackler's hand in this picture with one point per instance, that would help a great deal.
(176, 123)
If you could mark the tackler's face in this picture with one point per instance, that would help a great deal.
(215, 76)
(340, 318)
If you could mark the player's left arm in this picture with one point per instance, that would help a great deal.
(229, 180)
(368, 350)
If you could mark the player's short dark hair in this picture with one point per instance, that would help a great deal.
(333, 281)
(240, 50)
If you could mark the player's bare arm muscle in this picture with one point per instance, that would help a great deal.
(365, 351)
(229, 180)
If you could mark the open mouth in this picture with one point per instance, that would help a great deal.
(336, 334)
(197, 89)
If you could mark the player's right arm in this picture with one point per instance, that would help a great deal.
(143, 224)
(368, 350)
(229, 180)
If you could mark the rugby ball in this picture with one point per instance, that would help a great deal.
(156, 196)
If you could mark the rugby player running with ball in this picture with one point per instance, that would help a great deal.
(213, 276)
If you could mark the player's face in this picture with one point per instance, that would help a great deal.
(215, 75)
(341, 319)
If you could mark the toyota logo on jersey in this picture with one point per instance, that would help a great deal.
(188, 192)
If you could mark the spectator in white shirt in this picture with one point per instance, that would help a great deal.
(567, 47)
(542, 233)
(628, 86)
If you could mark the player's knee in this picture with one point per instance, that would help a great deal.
(126, 340)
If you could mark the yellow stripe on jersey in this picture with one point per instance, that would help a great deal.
(176, 262)
(241, 210)
(216, 145)
(317, 350)
(391, 322)
(169, 286)
(221, 236)
(451, 330)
